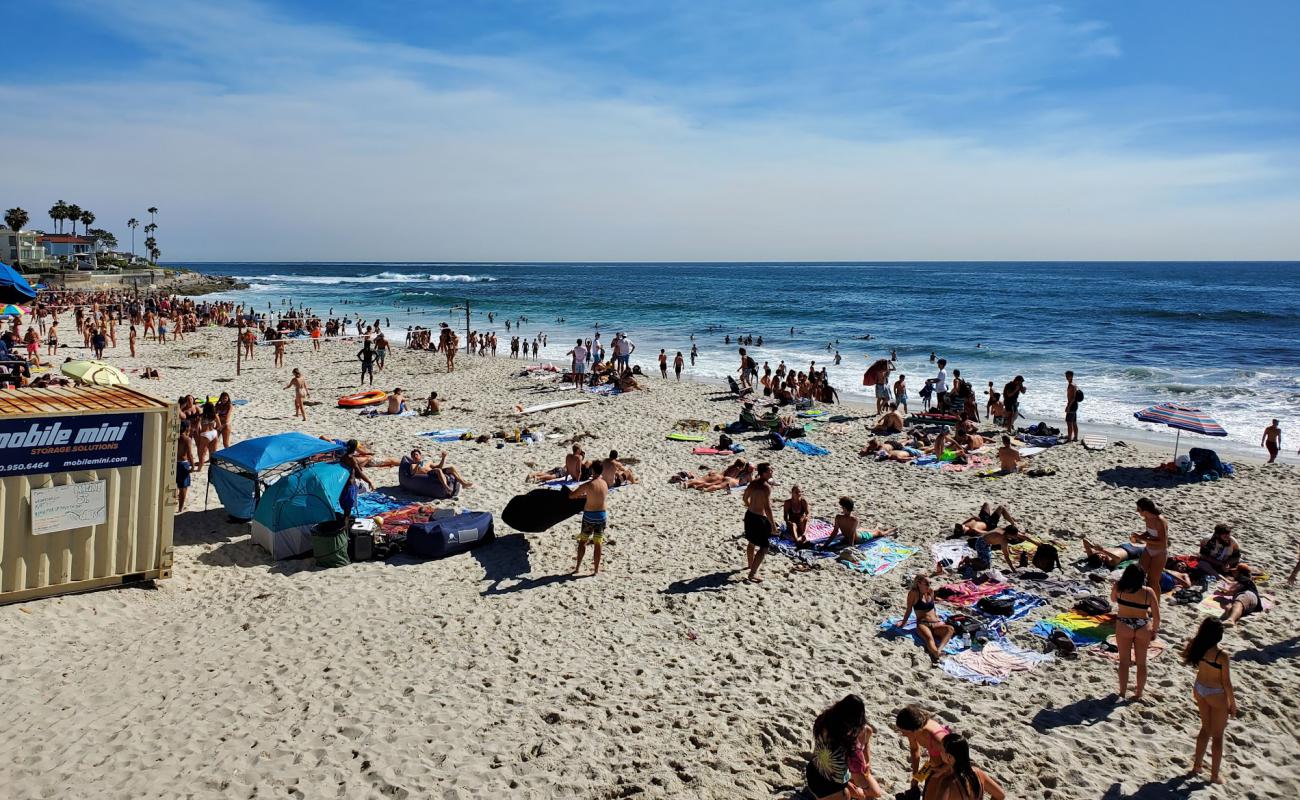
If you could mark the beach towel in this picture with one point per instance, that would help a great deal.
(607, 389)
(697, 425)
(818, 532)
(807, 448)
(813, 413)
(398, 520)
(446, 434)
(880, 556)
(950, 551)
(712, 451)
(1028, 452)
(372, 504)
(1217, 601)
(890, 630)
(1039, 441)
(968, 593)
(1083, 629)
(972, 462)
(993, 664)
(1094, 441)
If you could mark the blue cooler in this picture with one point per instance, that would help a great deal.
(448, 535)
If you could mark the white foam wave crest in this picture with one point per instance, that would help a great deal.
(382, 277)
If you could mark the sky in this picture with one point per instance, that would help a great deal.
(683, 130)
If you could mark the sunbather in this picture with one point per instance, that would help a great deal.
(846, 524)
(1113, 556)
(986, 519)
(932, 630)
(738, 474)
(364, 455)
(615, 472)
(572, 469)
(1220, 553)
(891, 422)
(397, 402)
(1008, 457)
(439, 471)
(1245, 598)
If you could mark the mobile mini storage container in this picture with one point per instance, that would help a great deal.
(87, 490)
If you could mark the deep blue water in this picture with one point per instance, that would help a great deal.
(1222, 336)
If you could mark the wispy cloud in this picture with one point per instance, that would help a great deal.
(265, 137)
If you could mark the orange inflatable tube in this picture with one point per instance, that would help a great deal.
(362, 399)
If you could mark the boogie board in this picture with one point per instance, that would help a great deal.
(685, 437)
(540, 509)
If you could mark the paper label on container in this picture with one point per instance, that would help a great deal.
(73, 505)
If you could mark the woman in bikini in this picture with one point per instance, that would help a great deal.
(225, 417)
(840, 766)
(1215, 698)
(1136, 623)
(921, 732)
(1112, 557)
(932, 630)
(1156, 539)
(955, 778)
(1245, 598)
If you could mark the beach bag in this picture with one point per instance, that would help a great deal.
(1093, 606)
(724, 442)
(1060, 642)
(1078, 395)
(964, 624)
(1046, 557)
(329, 545)
(997, 606)
(776, 440)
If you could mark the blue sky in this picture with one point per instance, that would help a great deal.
(619, 129)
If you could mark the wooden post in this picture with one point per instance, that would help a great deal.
(467, 327)
(239, 346)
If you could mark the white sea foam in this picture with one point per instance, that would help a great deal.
(382, 277)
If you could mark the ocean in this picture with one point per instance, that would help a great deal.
(1224, 337)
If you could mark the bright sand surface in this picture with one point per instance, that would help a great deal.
(493, 674)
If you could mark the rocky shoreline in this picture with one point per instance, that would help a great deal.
(193, 284)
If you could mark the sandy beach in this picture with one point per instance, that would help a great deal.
(496, 674)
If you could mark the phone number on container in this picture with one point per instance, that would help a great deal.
(37, 465)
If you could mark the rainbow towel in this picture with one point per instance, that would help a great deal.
(880, 556)
(1083, 629)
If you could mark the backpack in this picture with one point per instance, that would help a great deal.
(1093, 605)
(724, 442)
(1046, 558)
(1078, 395)
(997, 606)
(1061, 642)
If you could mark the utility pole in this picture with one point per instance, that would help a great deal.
(465, 308)
(239, 345)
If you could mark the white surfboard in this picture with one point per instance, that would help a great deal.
(577, 401)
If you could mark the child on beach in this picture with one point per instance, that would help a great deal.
(300, 393)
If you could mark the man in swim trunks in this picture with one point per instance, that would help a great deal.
(397, 402)
(184, 460)
(1011, 401)
(1071, 408)
(760, 525)
(366, 355)
(594, 516)
(892, 422)
(1112, 557)
(1272, 441)
(578, 365)
(1220, 554)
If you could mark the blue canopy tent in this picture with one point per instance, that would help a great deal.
(14, 288)
(242, 471)
(289, 508)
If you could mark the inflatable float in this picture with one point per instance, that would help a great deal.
(363, 399)
(541, 509)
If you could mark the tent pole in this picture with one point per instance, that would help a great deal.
(1177, 435)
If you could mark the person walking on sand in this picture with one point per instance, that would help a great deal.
(300, 393)
(131, 337)
(1272, 441)
(594, 517)
(366, 355)
(760, 525)
(1011, 401)
(1073, 395)
(578, 366)
(678, 363)
(663, 363)
(279, 350)
(1215, 698)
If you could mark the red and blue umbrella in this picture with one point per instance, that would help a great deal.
(1181, 418)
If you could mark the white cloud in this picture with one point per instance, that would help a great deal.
(297, 142)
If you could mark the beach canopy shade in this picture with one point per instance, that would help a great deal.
(94, 373)
(14, 288)
(11, 310)
(1181, 418)
(239, 472)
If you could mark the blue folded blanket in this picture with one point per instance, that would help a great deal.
(1039, 441)
(373, 503)
(446, 435)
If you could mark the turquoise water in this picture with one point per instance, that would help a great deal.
(1224, 337)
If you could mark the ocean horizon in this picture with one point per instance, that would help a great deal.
(1221, 336)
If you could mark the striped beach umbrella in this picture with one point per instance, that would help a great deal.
(1181, 418)
(11, 310)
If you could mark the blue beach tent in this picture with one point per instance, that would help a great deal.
(294, 504)
(241, 472)
(14, 288)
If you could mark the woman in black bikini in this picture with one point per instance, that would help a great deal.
(1215, 698)
(1137, 620)
(933, 632)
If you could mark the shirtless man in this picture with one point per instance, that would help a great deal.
(184, 460)
(397, 402)
(572, 469)
(594, 517)
(438, 471)
(796, 513)
(300, 393)
(1011, 401)
(356, 475)
(760, 525)
(616, 473)
(846, 524)
(1272, 441)
(891, 422)
(1008, 457)
(1071, 408)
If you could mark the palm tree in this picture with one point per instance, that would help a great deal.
(16, 218)
(87, 219)
(156, 254)
(58, 213)
(153, 211)
(150, 246)
(133, 223)
(74, 215)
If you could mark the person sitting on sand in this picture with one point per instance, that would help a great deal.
(846, 524)
(888, 451)
(616, 472)
(1245, 598)
(1220, 554)
(1136, 624)
(933, 631)
(921, 732)
(1215, 698)
(397, 402)
(840, 766)
(1008, 457)
(439, 471)
(796, 514)
(1112, 557)
(432, 407)
(738, 474)
(891, 422)
(955, 778)
(571, 470)
(362, 452)
(942, 443)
